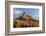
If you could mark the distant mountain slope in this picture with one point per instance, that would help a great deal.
(26, 21)
(24, 16)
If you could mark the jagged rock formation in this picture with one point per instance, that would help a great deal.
(25, 21)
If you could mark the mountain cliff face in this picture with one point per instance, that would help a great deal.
(25, 21)
(24, 16)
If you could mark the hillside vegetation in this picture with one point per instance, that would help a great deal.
(25, 21)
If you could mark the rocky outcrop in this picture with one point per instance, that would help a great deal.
(25, 21)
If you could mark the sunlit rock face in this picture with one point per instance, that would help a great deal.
(25, 21)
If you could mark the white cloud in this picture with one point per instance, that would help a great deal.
(17, 12)
(36, 17)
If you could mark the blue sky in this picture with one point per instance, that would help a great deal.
(29, 11)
